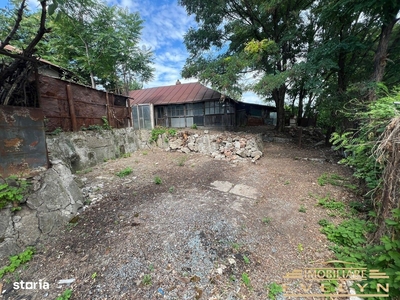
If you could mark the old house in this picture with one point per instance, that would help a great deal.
(181, 105)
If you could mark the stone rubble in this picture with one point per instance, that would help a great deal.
(230, 146)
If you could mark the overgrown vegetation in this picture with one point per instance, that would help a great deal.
(12, 191)
(17, 260)
(274, 290)
(157, 180)
(160, 131)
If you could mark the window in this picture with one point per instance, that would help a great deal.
(214, 108)
(175, 111)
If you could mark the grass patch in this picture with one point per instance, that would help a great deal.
(126, 155)
(274, 290)
(146, 280)
(124, 172)
(246, 280)
(266, 220)
(157, 180)
(156, 132)
(302, 209)
(65, 295)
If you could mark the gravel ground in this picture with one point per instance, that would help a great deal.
(185, 238)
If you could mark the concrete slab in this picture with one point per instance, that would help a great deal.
(245, 191)
(223, 186)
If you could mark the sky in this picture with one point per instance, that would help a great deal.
(165, 23)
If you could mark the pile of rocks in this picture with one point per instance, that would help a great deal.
(232, 146)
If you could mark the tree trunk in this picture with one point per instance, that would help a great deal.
(381, 55)
(279, 97)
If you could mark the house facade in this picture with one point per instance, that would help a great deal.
(181, 105)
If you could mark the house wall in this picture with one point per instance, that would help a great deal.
(209, 113)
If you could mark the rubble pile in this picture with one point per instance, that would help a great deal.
(231, 146)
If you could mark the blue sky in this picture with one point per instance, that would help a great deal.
(165, 23)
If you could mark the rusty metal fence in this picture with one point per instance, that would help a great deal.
(70, 106)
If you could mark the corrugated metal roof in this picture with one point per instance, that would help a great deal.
(174, 94)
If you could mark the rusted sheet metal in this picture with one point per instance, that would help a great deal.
(22, 141)
(89, 105)
(174, 94)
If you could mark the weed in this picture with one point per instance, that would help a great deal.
(17, 260)
(246, 259)
(182, 160)
(302, 209)
(105, 159)
(126, 155)
(266, 220)
(124, 172)
(12, 191)
(94, 275)
(194, 126)
(157, 180)
(144, 152)
(333, 205)
(232, 278)
(146, 280)
(65, 295)
(274, 290)
(171, 189)
(156, 132)
(323, 222)
(57, 131)
(236, 246)
(300, 248)
(287, 182)
(151, 268)
(246, 280)
(106, 125)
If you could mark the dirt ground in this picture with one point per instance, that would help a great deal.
(193, 236)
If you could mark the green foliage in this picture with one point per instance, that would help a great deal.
(124, 172)
(106, 125)
(12, 191)
(146, 280)
(302, 209)
(360, 145)
(246, 280)
(65, 295)
(160, 131)
(126, 155)
(85, 171)
(331, 204)
(266, 220)
(157, 180)
(351, 246)
(246, 259)
(17, 260)
(57, 131)
(194, 126)
(274, 290)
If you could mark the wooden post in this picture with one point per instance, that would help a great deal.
(71, 108)
(108, 109)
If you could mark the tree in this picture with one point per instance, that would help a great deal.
(255, 37)
(101, 44)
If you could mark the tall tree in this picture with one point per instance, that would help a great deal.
(236, 37)
(101, 44)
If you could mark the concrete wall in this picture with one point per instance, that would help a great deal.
(85, 149)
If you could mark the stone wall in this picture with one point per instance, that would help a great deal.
(84, 149)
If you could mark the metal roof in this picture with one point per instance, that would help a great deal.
(174, 94)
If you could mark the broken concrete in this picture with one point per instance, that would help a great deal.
(238, 189)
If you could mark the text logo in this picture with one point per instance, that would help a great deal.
(320, 279)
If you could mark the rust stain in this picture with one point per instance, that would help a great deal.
(33, 144)
(13, 143)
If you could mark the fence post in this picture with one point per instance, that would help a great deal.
(71, 108)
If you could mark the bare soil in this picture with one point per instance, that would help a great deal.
(184, 239)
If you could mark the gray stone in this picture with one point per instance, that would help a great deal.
(27, 228)
(241, 153)
(192, 146)
(185, 150)
(256, 153)
(245, 191)
(176, 144)
(223, 186)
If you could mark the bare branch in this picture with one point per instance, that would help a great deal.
(16, 26)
